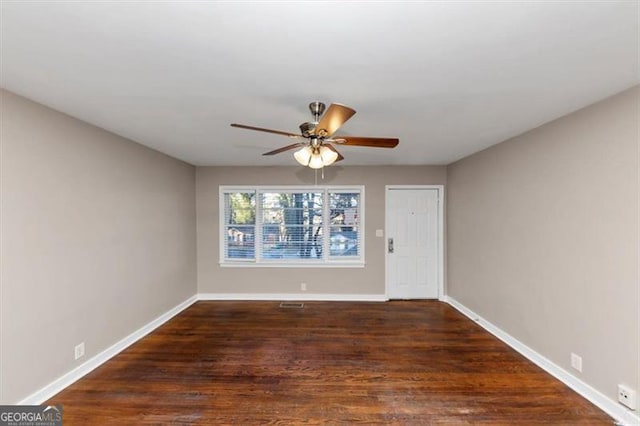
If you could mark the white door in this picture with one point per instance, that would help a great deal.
(412, 243)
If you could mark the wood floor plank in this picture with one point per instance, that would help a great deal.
(404, 362)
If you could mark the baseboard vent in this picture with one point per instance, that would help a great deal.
(292, 305)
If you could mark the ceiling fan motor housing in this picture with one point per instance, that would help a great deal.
(308, 128)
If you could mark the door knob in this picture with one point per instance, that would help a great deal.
(390, 245)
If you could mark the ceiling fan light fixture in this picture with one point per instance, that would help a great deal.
(303, 156)
(328, 156)
(316, 161)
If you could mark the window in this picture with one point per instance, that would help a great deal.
(317, 226)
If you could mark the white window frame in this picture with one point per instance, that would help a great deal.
(326, 262)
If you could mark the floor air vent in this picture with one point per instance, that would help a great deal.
(292, 305)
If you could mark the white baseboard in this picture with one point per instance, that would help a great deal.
(62, 382)
(294, 297)
(606, 404)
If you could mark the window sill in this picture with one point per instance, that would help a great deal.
(241, 264)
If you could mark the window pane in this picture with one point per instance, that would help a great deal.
(240, 242)
(343, 243)
(291, 215)
(341, 200)
(292, 242)
(344, 239)
(292, 225)
(240, 208)
(240, 217)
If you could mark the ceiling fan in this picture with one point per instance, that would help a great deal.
(316, 137)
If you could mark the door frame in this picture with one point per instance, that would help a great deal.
(440, 244)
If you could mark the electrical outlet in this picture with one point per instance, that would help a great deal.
(576, 362)
(79, 350)
(627, 396)
(303, 286)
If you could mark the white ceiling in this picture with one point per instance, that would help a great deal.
(448, 79)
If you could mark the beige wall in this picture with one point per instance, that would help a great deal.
(98, 239)
(368, 280)
(543, 239)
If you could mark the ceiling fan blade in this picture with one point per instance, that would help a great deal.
(340, 157)
(364, 141)
(260, 129)
(332, 119)
(283, 149)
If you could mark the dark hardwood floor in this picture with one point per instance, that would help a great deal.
(414, 362)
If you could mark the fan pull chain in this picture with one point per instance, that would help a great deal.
(315, 172)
